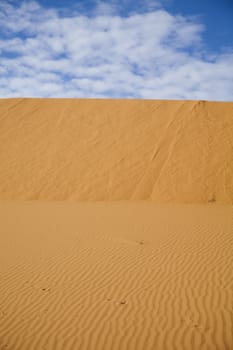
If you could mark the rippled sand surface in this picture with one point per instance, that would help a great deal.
(116, 225)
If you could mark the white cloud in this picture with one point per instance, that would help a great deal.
(152, 54)
(105, 9)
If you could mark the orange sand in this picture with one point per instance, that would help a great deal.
(147, 267)
(67, 149)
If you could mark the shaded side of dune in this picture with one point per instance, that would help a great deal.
(81, 149)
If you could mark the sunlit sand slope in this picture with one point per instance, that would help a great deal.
(67, 149)
(119, 276)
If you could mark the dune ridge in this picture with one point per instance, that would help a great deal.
(90, 149)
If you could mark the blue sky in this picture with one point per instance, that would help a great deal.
(169, 49)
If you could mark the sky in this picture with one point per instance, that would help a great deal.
(150, 49)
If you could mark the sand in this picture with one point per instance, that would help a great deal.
(116, 225)
(67, 149)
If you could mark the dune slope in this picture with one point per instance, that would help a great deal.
(70, 149)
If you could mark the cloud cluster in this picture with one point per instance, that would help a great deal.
(150, 54)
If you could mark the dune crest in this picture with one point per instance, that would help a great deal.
(81, 149)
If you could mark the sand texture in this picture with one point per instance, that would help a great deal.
(120, 276)
(67, 149)
(116, 225)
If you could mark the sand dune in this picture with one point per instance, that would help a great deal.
(67, 149)
(116, 276)
(116, 225)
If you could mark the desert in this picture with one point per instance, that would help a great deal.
(116, 224)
